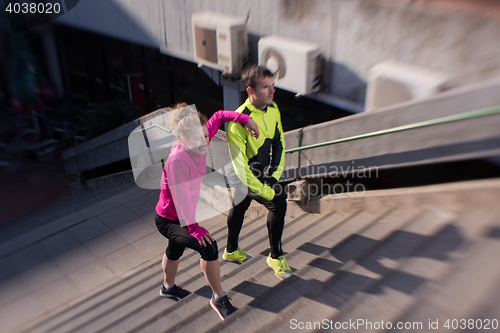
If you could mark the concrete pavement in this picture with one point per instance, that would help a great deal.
(91, 263)
(73, 248)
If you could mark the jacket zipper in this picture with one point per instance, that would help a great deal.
(264, 121)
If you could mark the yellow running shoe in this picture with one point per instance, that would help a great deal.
(237, 256)
(280, 267)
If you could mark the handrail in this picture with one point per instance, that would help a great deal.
(443, 120)
(120, 138)
(154, 125)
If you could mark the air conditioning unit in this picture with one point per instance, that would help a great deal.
(392, 82)
(220, 41)
(297, 64)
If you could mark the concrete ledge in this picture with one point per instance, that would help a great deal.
(219, 196)
(451, 197)
(115, 179)
(445, 142)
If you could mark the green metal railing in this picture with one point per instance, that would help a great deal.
(116, 140)
(443, 120)
(146, 128)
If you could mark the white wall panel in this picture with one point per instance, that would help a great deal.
(131, 20)
(354, 35)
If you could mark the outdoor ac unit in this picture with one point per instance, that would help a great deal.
(220, 41)
(296, 64)
(392, 82)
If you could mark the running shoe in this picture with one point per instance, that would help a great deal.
(237, 256)
(222, 306)
(280, 267)
(174, 292)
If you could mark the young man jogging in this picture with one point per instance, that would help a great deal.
(258, 164)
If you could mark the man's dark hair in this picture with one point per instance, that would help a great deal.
(252, 74)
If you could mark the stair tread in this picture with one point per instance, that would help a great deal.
(391, 265)
(356, 272)
(149, 296)
(447, 298)
(113, 293)
(257, 265)
(402, 289)
(266, 278)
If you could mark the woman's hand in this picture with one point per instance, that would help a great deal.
(207, 238)
(252, 128)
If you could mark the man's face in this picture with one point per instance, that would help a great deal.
(263, 93)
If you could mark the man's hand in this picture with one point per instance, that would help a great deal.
(207, 238)
(279, 192)
(252, 128)
(270, 181)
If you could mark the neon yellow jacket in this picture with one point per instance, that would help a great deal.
(254, 160)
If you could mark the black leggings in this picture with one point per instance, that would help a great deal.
(275, 222)
(179, 238)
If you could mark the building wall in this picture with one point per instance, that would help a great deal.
(133, 21)
(458, 38)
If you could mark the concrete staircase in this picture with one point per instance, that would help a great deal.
(409, 256)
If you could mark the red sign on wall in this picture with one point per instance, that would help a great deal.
(136, 90)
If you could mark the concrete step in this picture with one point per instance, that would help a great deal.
(231, 275)
(264, 284)
(78, 312)
(326, 266)
(143, 291)
(488, 311)
(428, 269)
(358, 257)
(403, 286)
(314, 280)
(468, 288)
(369, 303)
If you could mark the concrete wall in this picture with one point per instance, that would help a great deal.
(109, 147)
(354, 35)
(146, 149)
(473, 138)
(135, 21)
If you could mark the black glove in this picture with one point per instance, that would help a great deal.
(279, 192)
(269, 181)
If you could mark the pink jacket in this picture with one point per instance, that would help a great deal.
(182, 176)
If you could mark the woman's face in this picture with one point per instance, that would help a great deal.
(197, 140)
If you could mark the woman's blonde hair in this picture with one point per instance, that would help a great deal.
(185, 119)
